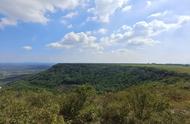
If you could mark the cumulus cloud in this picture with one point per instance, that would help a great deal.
(72, 39)
(105, 8)
(32, 10)
(28, 48)
(138, 34)
(143, 33)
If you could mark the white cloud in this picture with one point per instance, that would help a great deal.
(5, 21)
(120, 51)
(148, 3)
(127, 8)
(159, 14)
(91, 10)
(138, 34)
(93, 18)
(183, 20)
(156, 4)
(142, 33)
(34, 11)
(28, 48)
(81, 40)
(105, 8)
(102, 31)
(70, 15)
(58, 45)
(66, 24)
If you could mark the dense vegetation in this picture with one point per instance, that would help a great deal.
(146, 104)
(102, 76)
(70, 94)
(180, 68)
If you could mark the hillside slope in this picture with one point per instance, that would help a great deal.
(102, 76)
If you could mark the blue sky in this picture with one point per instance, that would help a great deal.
(121, 31)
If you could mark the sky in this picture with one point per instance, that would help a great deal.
(95, 31)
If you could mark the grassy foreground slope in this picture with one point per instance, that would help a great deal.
(102, 76)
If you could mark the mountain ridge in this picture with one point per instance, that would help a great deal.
(102, 76)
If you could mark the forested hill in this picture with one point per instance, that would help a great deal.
(102, 76)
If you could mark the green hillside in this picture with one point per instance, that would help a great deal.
(102, 76)
(179, 68)
(132, 94)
